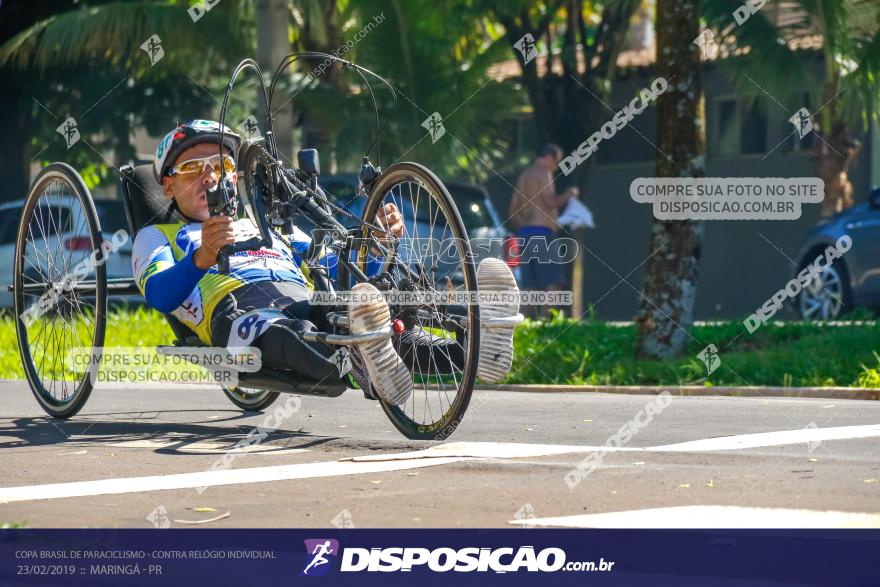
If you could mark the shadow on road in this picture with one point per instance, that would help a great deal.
(147, 430)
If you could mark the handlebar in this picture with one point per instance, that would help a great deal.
(299, 199)
(252, 244)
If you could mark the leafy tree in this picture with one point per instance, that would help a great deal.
(438, 56)
(88, 63)
(69, 60)
(845, 89)
(582, 41)
(14, 109)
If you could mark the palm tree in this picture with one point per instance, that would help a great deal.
(414, 46)
(88, 63)
(847, 34)
(323, 26)
(438, 59)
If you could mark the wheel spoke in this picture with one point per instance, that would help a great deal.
(57, 209)
(426, 210)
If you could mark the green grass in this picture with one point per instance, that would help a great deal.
(592, 352)
(789, 354)
(136, 327)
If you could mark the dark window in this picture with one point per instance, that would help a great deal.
(49, 220)
(738, 126)
(111, 215)
(726, 128)
(753, 126)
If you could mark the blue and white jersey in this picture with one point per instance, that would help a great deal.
(160, 247)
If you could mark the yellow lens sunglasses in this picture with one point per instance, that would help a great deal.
(198, 166)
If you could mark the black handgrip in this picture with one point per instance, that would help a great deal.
(223, 260)
(252, 244)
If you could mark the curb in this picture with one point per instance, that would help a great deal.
(863, 393)
(854, 393)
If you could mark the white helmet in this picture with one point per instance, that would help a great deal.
(186, 135)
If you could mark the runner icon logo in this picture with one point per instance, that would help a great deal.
(802, 122)
(527, 48)
(319, 550)
(251, 127)
(434, 125)
(710, 358)
(154, 50)
(708, 45)
(70, 131)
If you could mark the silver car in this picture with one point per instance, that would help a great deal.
(68, 237)
(852, 280)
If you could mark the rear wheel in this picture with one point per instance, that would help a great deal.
(251, 400)
(60, 321)
(436, 250)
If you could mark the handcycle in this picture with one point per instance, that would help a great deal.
(73, 301)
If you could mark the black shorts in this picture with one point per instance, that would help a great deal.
(281, 345)
(283, 349)
(289, 297)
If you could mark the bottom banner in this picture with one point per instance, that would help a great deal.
(485, 557)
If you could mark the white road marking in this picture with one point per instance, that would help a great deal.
(510, 450)
(207, 479)
(711, 516)
(436, 455)
(779, 438)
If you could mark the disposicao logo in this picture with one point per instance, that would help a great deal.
(319, 550)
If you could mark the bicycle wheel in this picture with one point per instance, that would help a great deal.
(435, 256)
(60, 320)
(251, 400)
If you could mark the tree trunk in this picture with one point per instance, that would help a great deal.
(666, 307)
(273, 44)
(14, 140)
(837, 149)
(835, 155)
(324, 34)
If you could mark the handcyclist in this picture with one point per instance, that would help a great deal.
(264, 299)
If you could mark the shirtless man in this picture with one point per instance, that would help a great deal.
(533, 211)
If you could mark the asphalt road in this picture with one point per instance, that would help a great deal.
(158, 453)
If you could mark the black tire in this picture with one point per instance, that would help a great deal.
(250, 400)
(433, 424)
(828, 300)
(77, 317)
